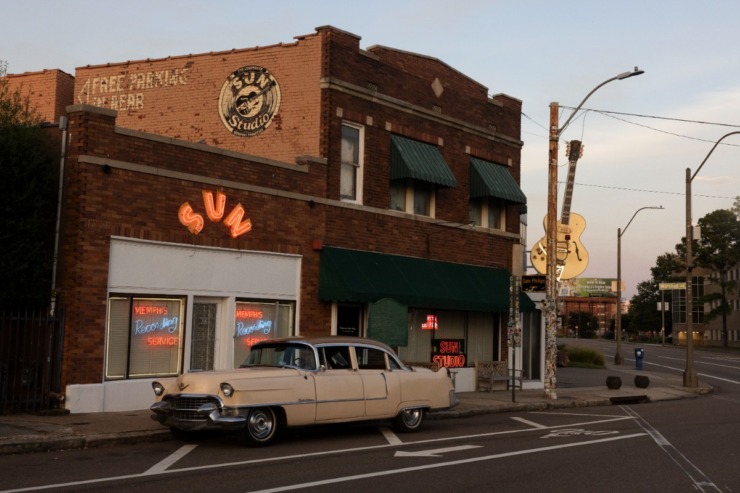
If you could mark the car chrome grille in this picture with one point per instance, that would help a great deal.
(185, 406)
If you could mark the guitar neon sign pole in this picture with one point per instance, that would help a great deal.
(550, 307)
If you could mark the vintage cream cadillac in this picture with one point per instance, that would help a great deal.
(298, 382)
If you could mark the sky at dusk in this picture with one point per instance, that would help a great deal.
(639, 134)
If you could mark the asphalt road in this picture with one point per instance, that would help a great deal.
(672, 446)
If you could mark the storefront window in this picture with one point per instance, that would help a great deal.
(349, 319)
(475, 335)
(145, 337)
(257, 321)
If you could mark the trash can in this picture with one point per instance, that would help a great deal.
(639, 354)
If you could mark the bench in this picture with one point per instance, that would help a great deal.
(489, 372)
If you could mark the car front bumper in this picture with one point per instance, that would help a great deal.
(206, 416)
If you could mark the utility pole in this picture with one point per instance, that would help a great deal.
(551, 300)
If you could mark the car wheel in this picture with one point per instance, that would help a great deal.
(262, 427)
(409, 420)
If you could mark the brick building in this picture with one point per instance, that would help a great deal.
(307, 188)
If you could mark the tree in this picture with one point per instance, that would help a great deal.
(718, 249)
(643, 312)
(28, 201)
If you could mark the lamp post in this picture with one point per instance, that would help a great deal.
(551, 309)
(618, 359)
(689, 376)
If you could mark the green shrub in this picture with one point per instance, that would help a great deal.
(582, 357)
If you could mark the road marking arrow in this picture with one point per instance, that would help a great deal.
(434, 453)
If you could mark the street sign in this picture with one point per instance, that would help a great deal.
(533, 284)
(668, 286)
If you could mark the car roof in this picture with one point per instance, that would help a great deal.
(331, 340)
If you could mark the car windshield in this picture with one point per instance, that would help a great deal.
(281, 354)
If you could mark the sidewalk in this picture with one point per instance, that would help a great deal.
(575, 388)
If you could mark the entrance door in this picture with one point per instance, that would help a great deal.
(203, 337)
(531, 345)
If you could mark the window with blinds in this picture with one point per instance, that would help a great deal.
(144, 337)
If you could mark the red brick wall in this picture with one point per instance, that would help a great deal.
(179, 96)
(50, 91)
(102, 201)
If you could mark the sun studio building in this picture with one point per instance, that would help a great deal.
(306, 188)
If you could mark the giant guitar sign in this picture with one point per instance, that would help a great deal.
(572, 257)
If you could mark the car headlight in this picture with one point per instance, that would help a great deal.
(227, 389)
(158, 388)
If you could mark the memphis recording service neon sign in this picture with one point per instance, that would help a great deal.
(215, 209)
(155, 322)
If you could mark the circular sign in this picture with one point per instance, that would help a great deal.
(250, 99)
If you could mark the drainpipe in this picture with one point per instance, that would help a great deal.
(63, 126)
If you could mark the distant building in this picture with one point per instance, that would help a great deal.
(707, 332)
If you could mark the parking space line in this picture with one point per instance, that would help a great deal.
(528, 422)
(390, 436)
(163, 465)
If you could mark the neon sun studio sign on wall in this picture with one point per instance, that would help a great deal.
(215, 209)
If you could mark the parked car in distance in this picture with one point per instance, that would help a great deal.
(296, 381)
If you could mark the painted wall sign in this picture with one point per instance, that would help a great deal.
(250, 99)
(124, 92)
(449, 353)
(215, 208)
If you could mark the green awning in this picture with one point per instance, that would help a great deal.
(366, 277)
(419, 161)
(493, 180)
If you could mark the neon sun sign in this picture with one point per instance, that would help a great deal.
(215, 209)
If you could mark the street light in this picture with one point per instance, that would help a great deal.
(551, 308)
(618, 359)
(689, 376)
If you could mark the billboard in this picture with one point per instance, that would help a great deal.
(585, 287)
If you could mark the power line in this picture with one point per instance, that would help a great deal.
(612, 114)
(682, 120)
(645, 190)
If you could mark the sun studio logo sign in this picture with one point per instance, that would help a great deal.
(250, 99)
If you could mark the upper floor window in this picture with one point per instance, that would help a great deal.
(415, 197)
(417, 171)
(488, 212)
(492, 190)
(350, 187)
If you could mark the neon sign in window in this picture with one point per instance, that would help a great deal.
(430, 324)
(449, 353)
(256, 321)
